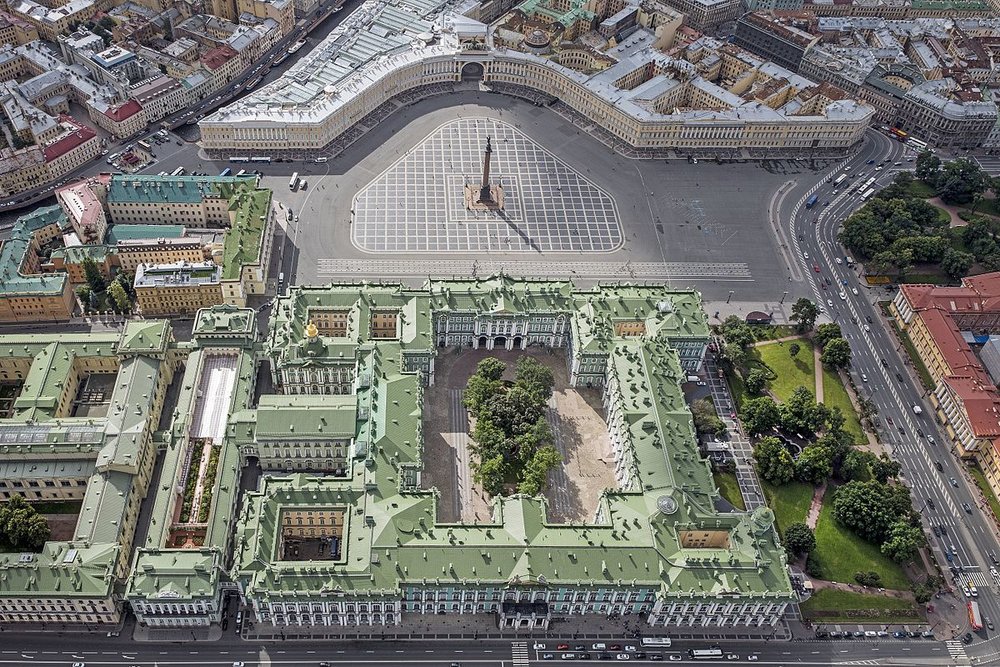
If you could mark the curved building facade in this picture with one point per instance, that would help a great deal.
(646, 99)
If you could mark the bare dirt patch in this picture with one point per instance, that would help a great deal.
(577, 420)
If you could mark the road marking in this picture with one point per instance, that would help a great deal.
(519, 652)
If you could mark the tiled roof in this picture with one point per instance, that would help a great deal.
(74, 139)
(123, 111)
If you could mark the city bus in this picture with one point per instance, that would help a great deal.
(868, 193)
(705, 653)
(225, 172)
(241, 172)
(179, 171)
(840, 179)
(144, 145)
(656, 641)
(293, 184)
(975, 620)
(898, 133)
(812, 201)
(239, 159)
(867, 184)
(916, 144)
(260, 158)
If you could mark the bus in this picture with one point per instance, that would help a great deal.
(259, 158)
(239, 159)
(144, 145)
(241, 172)
(868, 193)
(812, 201)
(225, 172)
(656, 641)
(840, 179)
(916, 144)
(179, 171)
(975, 620)
(293, 184)
(705, 653)
(867, 184)
(898, 133)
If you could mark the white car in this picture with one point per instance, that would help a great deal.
(870, 633)
(843, 296)
(854, 291)
(675, 658)
(629, 647)
(752, 658)
(867, 328)
(864, 378)
(622, 656)
(806, 255)
(539, 647)
(829, 302)
(838, 260)
(732, 656)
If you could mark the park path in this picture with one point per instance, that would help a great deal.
(815, 506)
(817, 374)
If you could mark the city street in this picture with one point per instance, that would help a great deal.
(893, 386)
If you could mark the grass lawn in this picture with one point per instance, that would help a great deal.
(841, 553)
(736, 386)
(835, 395)
(58, 507)
(830, 605)
(772, 331)
(925, 375)
(921, 189)
(729, 488)
(790, 502)
(791, 372)
(984, 486)
(987, 207)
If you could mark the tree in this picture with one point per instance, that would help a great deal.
(870, 508)
(490, 474)
(84, 294)
(760, 415)
(868, 578)
(826, 333)
(706, 420)
(799, 539)
(927, 168)
(956, 263)
(804, 313)
(794, 349)
(773, 460)
(21, 527)
(801, 414)
(814, 465)
(856, 465)
(883, 468)
(903, 542)
(736, 355)
(537, 470)
(960, 181)
(756, 381)
(120, 297)
(483, 384)
(93, 275)
(836, 353)
(535, 377)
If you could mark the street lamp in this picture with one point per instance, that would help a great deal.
(783, 295)
(731, 293)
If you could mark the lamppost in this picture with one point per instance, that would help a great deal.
(783, 295)
(731, 293)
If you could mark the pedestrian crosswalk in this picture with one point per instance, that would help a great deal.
(976, 578)
(957, 652)
(519, 653)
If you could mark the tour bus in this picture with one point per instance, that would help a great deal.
(840, 179)
(705, 653)
(239, 159)
(144, 145)
(656, 641)
(225, 172)
(261, 158)
(916, 144)
(868, 193)
(179, 171)
(241, 172)
(867, 184)
(293, 184)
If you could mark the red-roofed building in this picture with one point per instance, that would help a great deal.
(77, 145)
(122, 120)
(222, 64)
(965, 400)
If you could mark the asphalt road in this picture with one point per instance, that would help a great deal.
(880, 370)
(23, 650)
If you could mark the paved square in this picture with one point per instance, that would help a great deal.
(417, 204)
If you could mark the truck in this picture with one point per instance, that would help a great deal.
(975, 619)
(917, 410)
(812, 201)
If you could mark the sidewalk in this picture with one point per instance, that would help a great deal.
(720, 310)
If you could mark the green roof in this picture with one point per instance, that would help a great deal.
(76, 254)
(12, 252)
(242, 245)
(118, 233)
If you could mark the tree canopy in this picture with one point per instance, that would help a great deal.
(21, 527)
(804, 314)
(760, 415)
(798, 539)
(774, 462)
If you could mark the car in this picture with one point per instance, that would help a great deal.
(568, 656)
(547, 656)
(538, 647)
(974, 591)
(829, 302)
(579, 647)
(806, 255)
(854, 290)
(604, 656)
(864, 378)
(937, 464)
(993, 558)
(238, 663)
(953, 482)
(870, 633)
(839, 260)
(967, 638)
(897, 164)
(584, 656)
(600, 646)
(899, 377)
(989, 623)
(885, 364)
(843, 296)
(859, 633)
(826, 203)
(899, 635)
(931, 440)
(868, 328)
(967, 507)
(114, 633)
(615, 647)
(752, 657)
(621, 656)
(870, 162)
(930, 503)
(994, 573)
(562, 647)
(323, 664)
(732, 656)
(629, 647)
(675, 658)
(655, 657)
(79, 664)
(882, 633)
(944, 531)
(816, 268)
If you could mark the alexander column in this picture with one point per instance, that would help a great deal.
(488, 196)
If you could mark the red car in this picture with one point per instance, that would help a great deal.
(562, 647)
(816, 268)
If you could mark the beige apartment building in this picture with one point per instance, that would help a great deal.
(177, 289)
(282, 11)
(133, 253)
